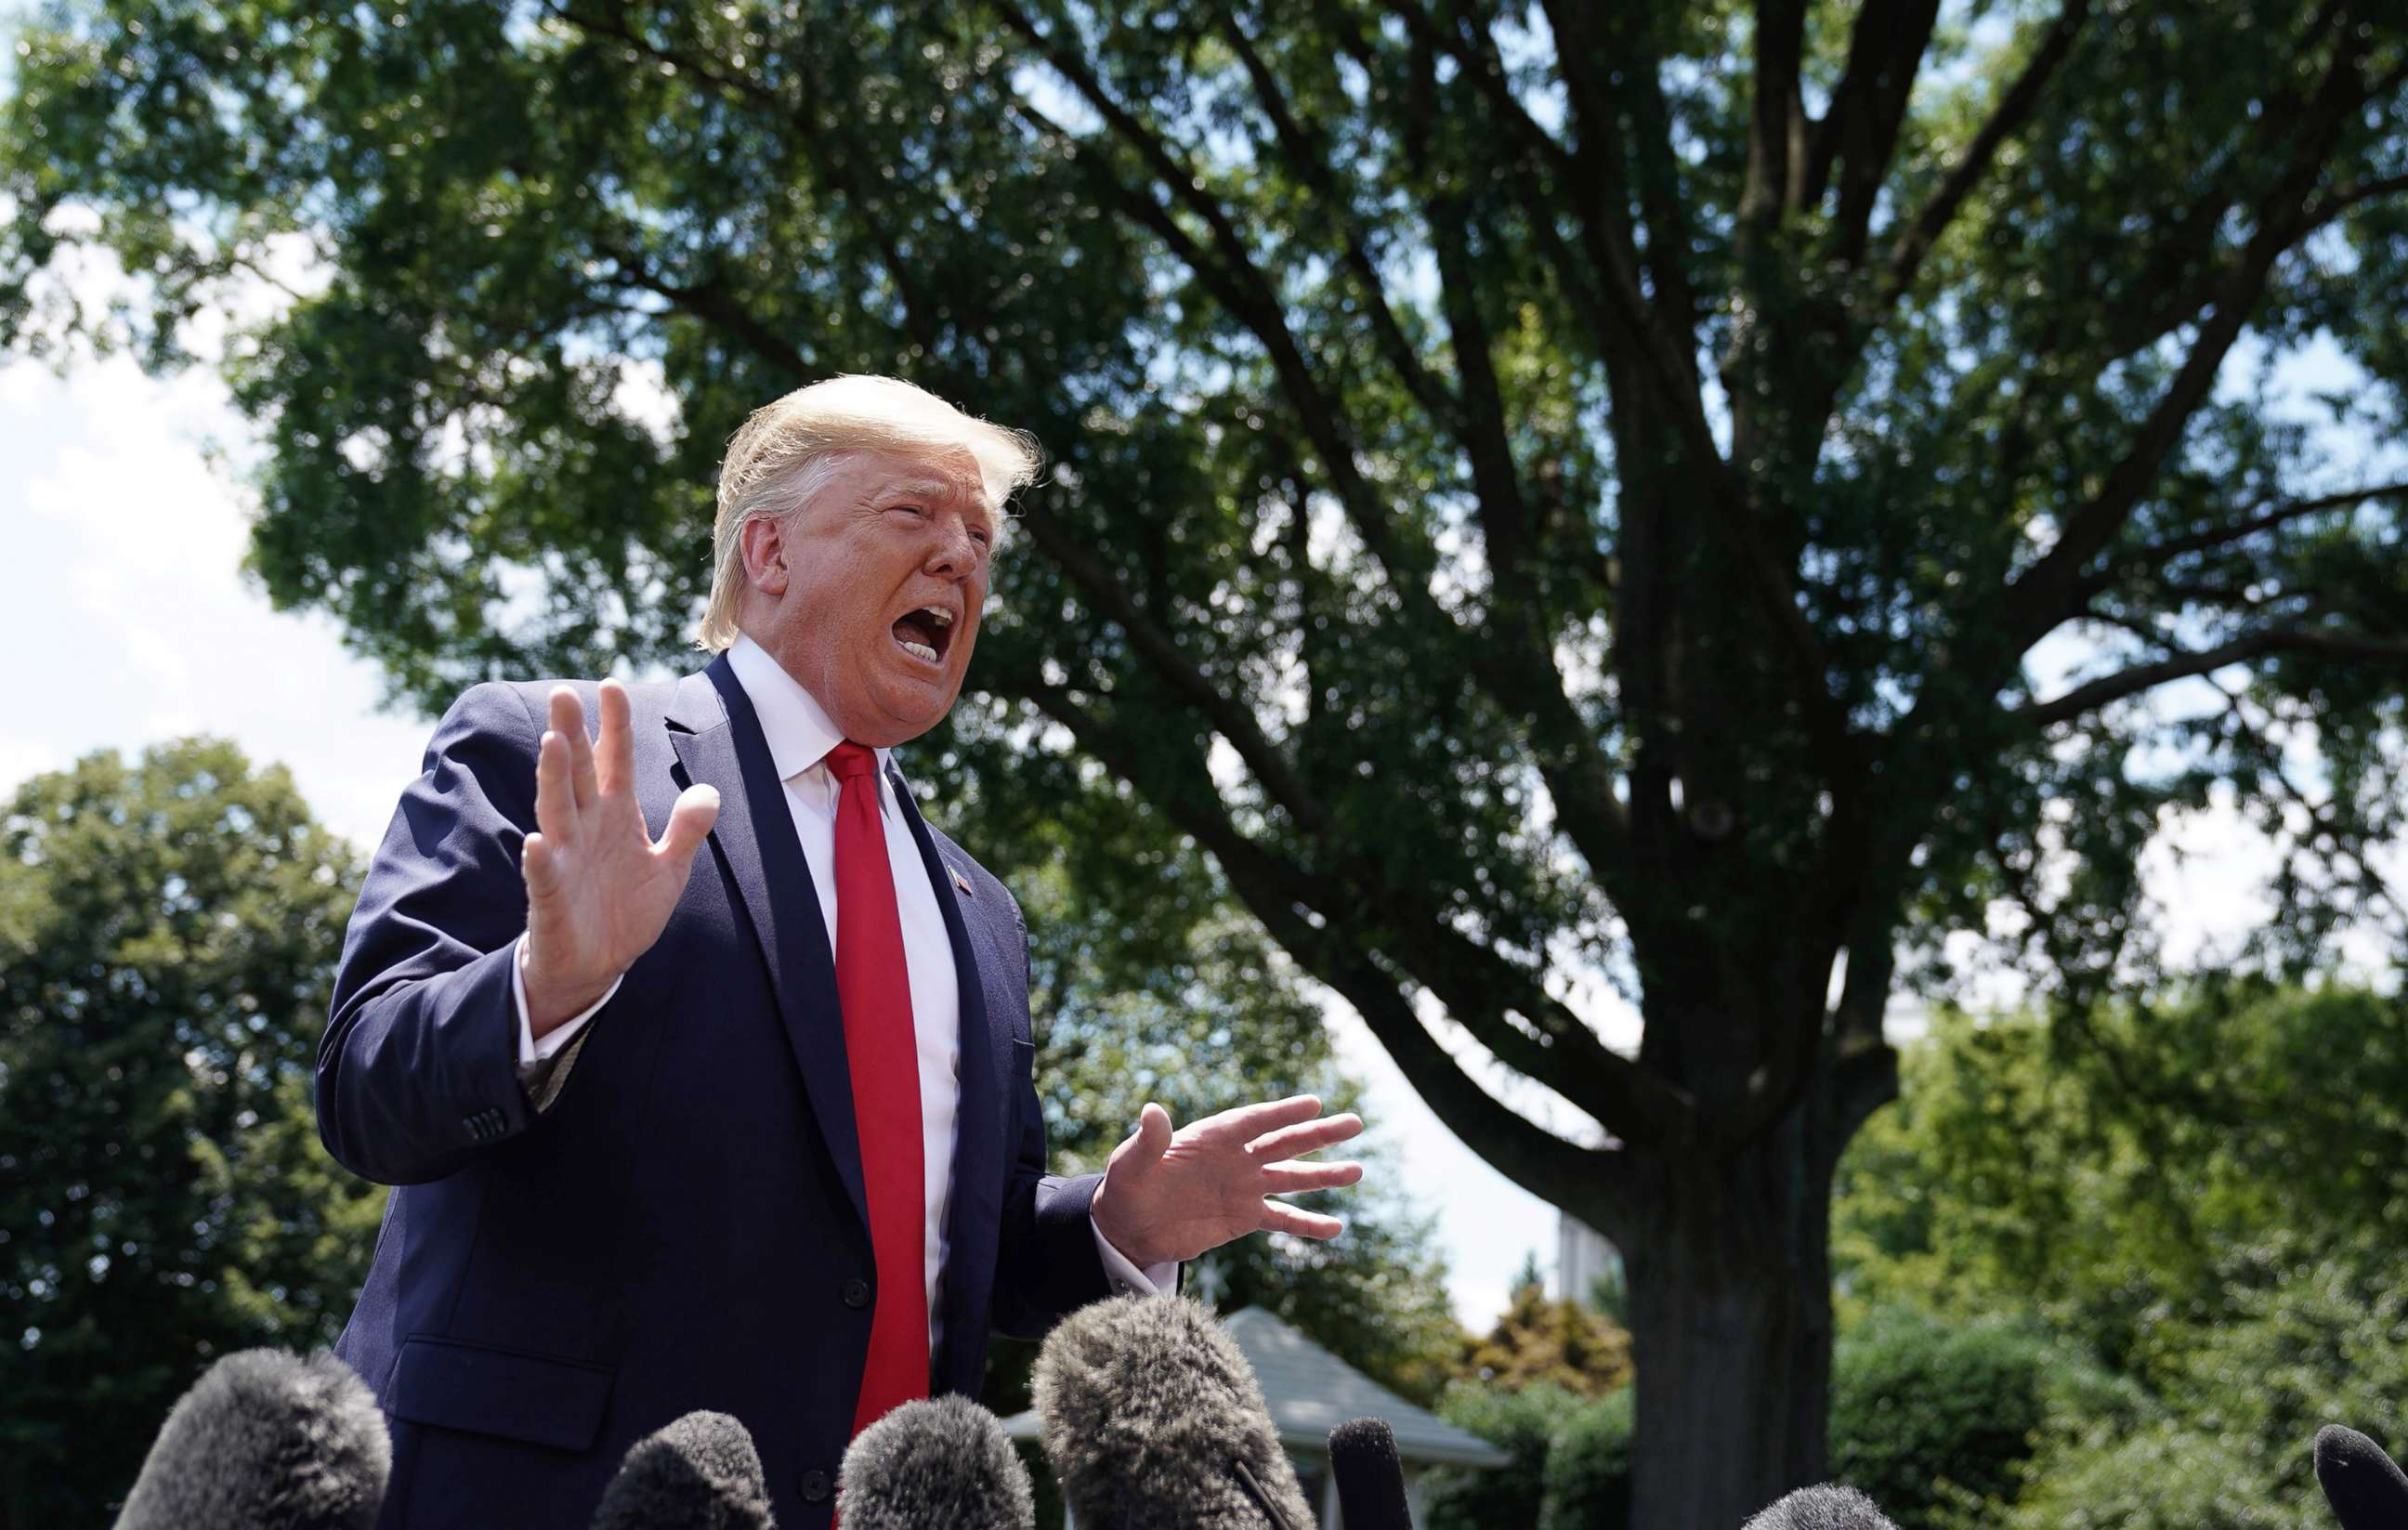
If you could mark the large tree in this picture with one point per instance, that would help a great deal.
(166, 928)
(1541, 491)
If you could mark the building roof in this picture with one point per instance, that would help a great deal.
(1312, 1392)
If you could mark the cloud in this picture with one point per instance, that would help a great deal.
(125, 603)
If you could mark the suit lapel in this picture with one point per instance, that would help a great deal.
(720, 745)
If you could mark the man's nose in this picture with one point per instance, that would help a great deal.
(956, 553)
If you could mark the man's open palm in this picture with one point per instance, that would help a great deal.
(599, 891)
(1173, 1196)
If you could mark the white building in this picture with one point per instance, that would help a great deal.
(1581, 1254)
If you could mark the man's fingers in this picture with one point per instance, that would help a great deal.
(690, 820)
(555, 799)
(1279, 1218)
(1291, 1179)
(1307, 1136)
(536, 865)
(568, 720)
(564, 709)
(615, 757)
(1246, 1123)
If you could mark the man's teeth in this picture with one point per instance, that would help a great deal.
(917, 651)
(941, 618)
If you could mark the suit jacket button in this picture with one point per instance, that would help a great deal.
(856, 1292)
(815, 1487)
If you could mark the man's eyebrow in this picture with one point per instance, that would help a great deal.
(932, 488)
(926, 488)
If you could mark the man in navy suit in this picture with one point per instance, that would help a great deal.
(751, 1130)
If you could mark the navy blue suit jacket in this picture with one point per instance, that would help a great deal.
(684, 1226)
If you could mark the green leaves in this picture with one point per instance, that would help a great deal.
(165, 934)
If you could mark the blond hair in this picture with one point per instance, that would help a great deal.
(789, 449)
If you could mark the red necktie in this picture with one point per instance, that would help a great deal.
(882, 1051)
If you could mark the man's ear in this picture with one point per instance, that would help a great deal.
(763, 542)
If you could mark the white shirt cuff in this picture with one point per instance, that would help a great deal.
(1153, 1280)
(533, 1053)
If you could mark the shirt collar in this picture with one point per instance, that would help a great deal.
(792, 719)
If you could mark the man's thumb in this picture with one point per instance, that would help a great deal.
(1152, 1138)
(689, 822)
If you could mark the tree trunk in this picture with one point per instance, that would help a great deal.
(1730, 1307)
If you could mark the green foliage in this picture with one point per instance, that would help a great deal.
(1570, 1467)
(1200, 1015)
(165, 934)
(2163, 1477)
(2102, 1173)
(1522, 1423)
(1937, 1421)
(1589, 1467)
(2206, 1190)
(1557, 1343)
(2303, 1344)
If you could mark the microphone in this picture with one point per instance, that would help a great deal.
(266, 1440)
(2361, 1481)
(1371, 1478)
(1155, 1422)
(699, 1473)
(942, 1464)
(1825, 1508)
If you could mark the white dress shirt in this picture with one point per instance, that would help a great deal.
(800, 736)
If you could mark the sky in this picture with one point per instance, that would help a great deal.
(126, 527)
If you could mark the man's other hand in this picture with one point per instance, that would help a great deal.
(599, 890)
(1172, 1196)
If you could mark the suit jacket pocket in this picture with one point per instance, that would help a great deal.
(540, 1399)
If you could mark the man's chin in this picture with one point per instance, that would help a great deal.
(915, 704)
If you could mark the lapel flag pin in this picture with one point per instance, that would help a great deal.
(961, 882)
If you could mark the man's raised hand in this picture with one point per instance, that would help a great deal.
(599, 890)
(1172, 1196)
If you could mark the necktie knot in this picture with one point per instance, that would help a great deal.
(850, 761)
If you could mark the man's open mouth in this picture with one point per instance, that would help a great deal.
(926, 634)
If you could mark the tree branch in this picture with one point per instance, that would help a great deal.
(1249, 297)
(711, 302)
(1627, 328)
(1865, 1079)
(1776, 132)
(1314, 920)
(2329, 207)
(2371, 882)
(2164, 301)
(1907, 253)
(2158, 554)
(1236, 723)
(1656, 170)
(2344, 647)
(2041, 596)
(1860, 131)
(1309, 163)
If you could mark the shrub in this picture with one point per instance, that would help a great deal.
(1589, 1467)
(1932, 1418)
(1524, 1424)
(2164, 1478)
